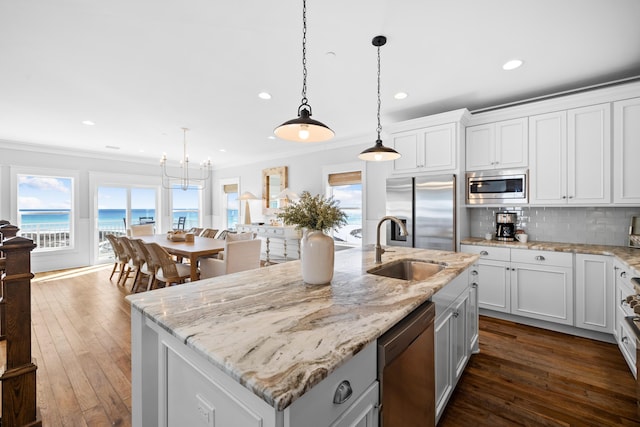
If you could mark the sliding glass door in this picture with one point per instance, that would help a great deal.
(119, 207)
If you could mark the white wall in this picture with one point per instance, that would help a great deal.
(306, 173)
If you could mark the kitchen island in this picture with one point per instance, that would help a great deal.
(263, 338)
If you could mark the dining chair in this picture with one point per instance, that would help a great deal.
(209, 232)
(239, 256)
(168, 271)
(146, 220)
(141, 230)
(195, 230)
(181, 222)
(135, 262)
(121, 257)
(222, 235)
(147, 267)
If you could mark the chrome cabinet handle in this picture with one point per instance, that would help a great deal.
(540, 258)
(343, 392)
(474, 272)
(623, 274)
(564, 197)
(474, 285)
(625, 339)
(456, 313)
(507, 268)
(484, 253)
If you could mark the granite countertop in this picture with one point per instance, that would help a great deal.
(628, 256)
(279, 337)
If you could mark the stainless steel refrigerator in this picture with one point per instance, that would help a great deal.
(427, 206)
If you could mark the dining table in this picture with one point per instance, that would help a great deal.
(200, 247)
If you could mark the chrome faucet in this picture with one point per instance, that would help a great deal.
(403, 232)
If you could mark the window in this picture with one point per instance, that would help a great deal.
(45, 210)
(120, 206)
(346, 187)
(232, 205)
(186, 203)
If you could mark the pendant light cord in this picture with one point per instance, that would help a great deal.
(379, 128)
(304, 52)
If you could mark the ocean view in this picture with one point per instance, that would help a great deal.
(107, 218)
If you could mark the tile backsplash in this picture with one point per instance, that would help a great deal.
(592, 225)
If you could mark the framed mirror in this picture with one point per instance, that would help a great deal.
(274, 181)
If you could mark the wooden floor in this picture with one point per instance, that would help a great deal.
(533, 377)
(522, 376)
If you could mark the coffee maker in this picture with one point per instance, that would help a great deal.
(506, 226)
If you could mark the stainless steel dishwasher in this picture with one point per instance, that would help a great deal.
(406, 371)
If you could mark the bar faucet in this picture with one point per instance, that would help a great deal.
(403, 232)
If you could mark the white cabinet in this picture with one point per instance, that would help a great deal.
(542, 285)
(473, 311)
(624, 337)
(570, 156)
(594, 293)
(452, 337)
(432, 149)
(499, 145)
(530, 283)
(494, 282)
(626, 151)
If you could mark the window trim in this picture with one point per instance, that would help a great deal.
(74, 175)
(223, 199)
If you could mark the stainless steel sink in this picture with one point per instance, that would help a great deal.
(407, 269)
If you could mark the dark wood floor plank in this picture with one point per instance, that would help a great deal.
(529, 376)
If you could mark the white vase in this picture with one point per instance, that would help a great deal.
(316, 254)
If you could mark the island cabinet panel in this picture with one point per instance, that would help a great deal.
(594, 293)
(452, 337)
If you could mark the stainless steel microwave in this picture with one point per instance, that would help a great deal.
(497, 187)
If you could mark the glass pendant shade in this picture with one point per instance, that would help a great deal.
(304, 128)
(379, 153)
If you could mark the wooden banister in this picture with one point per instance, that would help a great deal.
(19, 376)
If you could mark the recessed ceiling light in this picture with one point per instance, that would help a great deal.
(331, 54)
(512, 64)
(222, 150)
(271, 137)
(111, 147)
(264, 95)
(401, 95)
(88, 123)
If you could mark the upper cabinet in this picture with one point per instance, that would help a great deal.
(430, 149)
(500, 145)
(626, 151)
(570, 156)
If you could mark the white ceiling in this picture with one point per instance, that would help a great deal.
(142, 69)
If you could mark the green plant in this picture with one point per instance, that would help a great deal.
(314, 213)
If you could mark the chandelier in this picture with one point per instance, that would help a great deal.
(185, 180)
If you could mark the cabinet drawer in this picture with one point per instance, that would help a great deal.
(627, 345)
(316, 408)
(488, 252)
(529, 256)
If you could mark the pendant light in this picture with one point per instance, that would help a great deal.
(379, 152)
(304, 128)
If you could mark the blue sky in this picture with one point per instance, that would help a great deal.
(37, 192)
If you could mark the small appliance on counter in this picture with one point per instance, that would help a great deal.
(506, 226)
(634, 232)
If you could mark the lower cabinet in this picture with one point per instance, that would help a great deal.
(542, 285)
(594, 293)
(623, 336)
(456, 335)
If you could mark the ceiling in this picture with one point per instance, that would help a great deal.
(143, 69)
